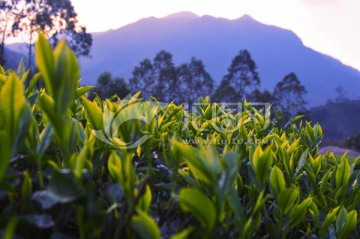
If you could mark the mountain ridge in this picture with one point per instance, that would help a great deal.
(216, 41)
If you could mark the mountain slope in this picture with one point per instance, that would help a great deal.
(216, 41)
(13, 57)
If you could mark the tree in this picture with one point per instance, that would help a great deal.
(164, 73)
(242, 77)
(56, 19)
(193, 82)
(143, 79)
(289, 94)
(225, 93)
(107, 87)
(157, 78)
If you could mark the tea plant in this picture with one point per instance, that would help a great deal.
(71, 167)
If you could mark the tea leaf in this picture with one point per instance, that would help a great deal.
(287, 199)
(46, 63)
(349, 224)
(277, 180)
(299, 212)
(193, 201)
(145, 226)
(262, 161)
(342, 173)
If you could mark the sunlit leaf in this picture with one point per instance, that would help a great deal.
(277, 180)
(262, 161)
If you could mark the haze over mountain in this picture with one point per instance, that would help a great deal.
(216, 41)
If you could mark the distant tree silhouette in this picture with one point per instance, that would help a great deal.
(157, 78)
(340, 94)
(261, 96)
(289, 93)
(242, 77)
(107, 86)
(225, 93)
(143, 79)
(193, 81)
(164, 73)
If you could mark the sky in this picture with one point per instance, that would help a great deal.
(328, 26)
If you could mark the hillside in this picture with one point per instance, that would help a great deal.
(338, 120)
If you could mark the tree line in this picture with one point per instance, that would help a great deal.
(162, 79)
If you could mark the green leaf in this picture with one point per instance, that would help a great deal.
(193, 201)
(5, 152)
(184, 234)
(12, 101)
(115, 168)
(342, 173)
(286, 199)
(310, 132)
(349, 224)
(301, 162)
(67, 75)
(145, 226)
(93, 114)
(262, 161)
(10, 228)
(26, 186)
(21, 68)
(81, 159)
(196, 162)
(299, 212)
(32, 84)
(228, 175)
(145, 200)
(330, 217)
(46, 63)
(47, 105)
(277, 180)
(260, 202)
(340, 219)
(23, 129)
(315, 163)
(45, 140)
(82, 90)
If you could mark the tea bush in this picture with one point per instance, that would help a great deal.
(123, 168)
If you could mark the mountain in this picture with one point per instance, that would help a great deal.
(216, 41)
(13, 56)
